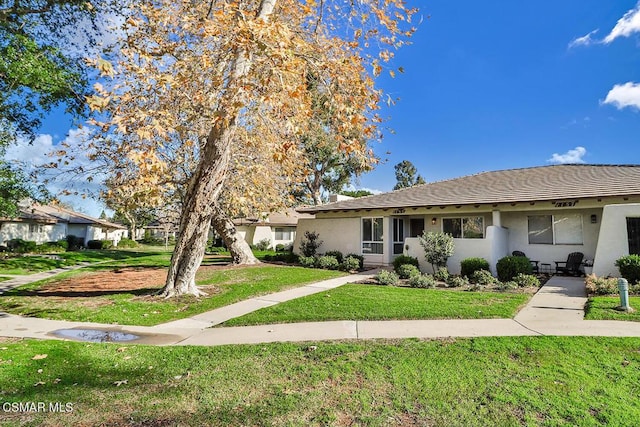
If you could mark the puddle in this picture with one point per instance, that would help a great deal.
(94, 335)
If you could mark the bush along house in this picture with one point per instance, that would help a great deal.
(545, 212)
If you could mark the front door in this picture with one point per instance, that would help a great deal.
(633, 234)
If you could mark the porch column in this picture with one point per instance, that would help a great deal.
(496, 218)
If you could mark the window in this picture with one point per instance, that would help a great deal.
(284, 234)
(555, 229)
(35, 228)
(464, 228)
(372, 236)
(398, 236)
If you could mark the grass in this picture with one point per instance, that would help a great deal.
(507, 381)
(371, 302)
(30, 264)
(603, 308)
(140, 307)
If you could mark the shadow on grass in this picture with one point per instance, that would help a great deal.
(82, 294)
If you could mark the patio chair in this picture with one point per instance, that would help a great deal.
(571, 265)
(534, 264)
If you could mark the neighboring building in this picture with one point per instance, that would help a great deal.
(277, 227)
(546, 212)
(42, 224)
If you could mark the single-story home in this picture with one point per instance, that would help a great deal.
(546, 212)
(279, 228)
(48, 223)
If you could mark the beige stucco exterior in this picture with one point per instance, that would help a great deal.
(604, 237)
(253, 234)
(42, 233)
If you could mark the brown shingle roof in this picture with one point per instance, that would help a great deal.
(507, 186)
(288, 218)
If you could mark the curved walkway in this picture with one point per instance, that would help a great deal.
(557, 309)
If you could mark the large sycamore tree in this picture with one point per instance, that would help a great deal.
(227, 80)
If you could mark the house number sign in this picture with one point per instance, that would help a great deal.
(398, 211)
(566, 204)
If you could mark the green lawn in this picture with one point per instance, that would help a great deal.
(141, 307)
(603, 308)
(372, 302)
(533, 381)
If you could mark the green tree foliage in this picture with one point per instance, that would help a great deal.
(407, 175)
(357, 193)
(438, 247)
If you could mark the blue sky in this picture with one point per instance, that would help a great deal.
(497, 85)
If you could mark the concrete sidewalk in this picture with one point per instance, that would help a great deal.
(557, 309)
(19, 280)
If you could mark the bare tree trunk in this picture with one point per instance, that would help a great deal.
(206, 183)
(241, 253)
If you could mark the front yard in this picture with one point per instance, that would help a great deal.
(508, 381)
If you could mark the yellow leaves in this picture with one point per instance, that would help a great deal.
(97, 103)
(105, 68)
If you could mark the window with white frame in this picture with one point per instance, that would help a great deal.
(283, 233)
(35, 228)
(560, 229)
(372, 236)
(471, 227)
(398, 236)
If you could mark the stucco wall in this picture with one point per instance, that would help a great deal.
(340, 234)
(464, 248)
(20, 230)
(613, 242)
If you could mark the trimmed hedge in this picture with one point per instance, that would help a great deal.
(468, 266)
(629, 267)
(404, 260)
(510, 266)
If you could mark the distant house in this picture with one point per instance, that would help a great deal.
(279, 228)
(546, 212)
(45, 223)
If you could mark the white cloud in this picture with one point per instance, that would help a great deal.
(571, 156)
(625, 95)
(585, 40)
(627, 25)
(31, 156)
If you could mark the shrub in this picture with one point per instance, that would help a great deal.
(328, 262)
(307, 261)
(468, 266)
(263, 245)
(360, 259)
(442, 275)
(629, 267)
(51, 247)
(388, 278)
(310, 244)
(287, 257)
(21, 246)
(438, 247)
(283, 248)
(510, 266)
(350, 263)
(406, 271)
(483, 278)
(404, 260)
(216, 249)
(457, 281)
(74, 243)
(507, 286)
(600, 285)
(63, 244)
(336, 254)
(422, 281)
(526, 280)
(127, 243)
(99, 244)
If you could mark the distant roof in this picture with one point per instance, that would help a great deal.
(52, 214)
(541, 183)
(288, 218)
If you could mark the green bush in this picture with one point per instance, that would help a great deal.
(600, 285)
(283, 248)
(328, 262)
(286, 257)
(468, 266)
(422, 281)
(21, 246)
(310, 244)
(263, 245)
(307, 261)
(404, 260)
(63, 244)
(406, 271)
(438, 247)
(74, 243)
(387, 278)
(442, 275)
(350, 263)
(629, 267)
(483, 278)
(127, 243)
(360, 259)
(457, 281)
(336, 254)
(526, 280)
(99, 244)
(51, 247)
(510, 266)
(216, 249)
(507, 286)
